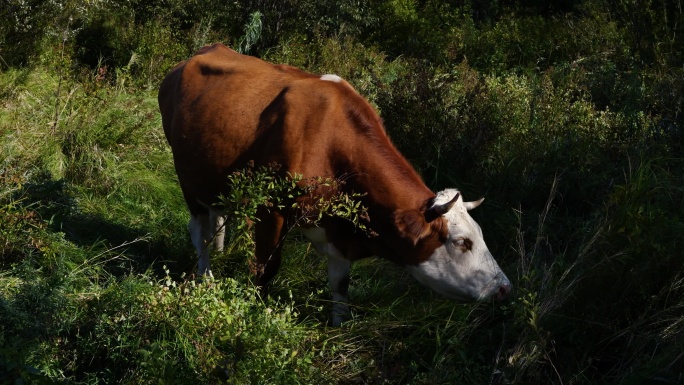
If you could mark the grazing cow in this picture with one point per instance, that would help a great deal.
(222, 110)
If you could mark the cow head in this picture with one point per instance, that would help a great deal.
(461, 267)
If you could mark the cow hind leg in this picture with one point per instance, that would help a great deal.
(217, 222)
(207, 233)
(199, 234)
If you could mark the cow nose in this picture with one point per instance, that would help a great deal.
(504, 291)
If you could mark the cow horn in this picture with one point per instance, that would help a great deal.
(472, 205)
(444, 208)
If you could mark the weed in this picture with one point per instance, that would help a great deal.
(311, 199)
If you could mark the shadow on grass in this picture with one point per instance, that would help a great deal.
(55, 202)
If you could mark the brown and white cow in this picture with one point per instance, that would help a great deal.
(221, 110)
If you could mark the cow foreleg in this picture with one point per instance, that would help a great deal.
(338, 277)
(269, 236)
(338, 272)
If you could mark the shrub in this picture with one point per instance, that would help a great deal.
(147, 332)
(186, 332)
(24, 27)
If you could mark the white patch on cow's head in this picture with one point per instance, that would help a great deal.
(462, 268)
(331, 78)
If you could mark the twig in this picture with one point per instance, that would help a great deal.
(4, 62)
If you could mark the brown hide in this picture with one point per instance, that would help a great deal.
(221, 109)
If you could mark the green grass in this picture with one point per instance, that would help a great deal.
(575, 144)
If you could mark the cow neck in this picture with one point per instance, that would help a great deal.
(372, 161)
(388, 179)
(393, 186)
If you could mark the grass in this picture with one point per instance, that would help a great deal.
(96, 264)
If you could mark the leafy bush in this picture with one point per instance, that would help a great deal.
(23, 29)
(146, 332)
(198, 332)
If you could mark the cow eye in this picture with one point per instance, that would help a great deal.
(463, 243)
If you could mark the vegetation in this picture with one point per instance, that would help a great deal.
(566, 115)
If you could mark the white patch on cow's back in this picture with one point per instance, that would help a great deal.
(331, 78)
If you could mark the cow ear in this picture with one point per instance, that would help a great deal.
(412, 225)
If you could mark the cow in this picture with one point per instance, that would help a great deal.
(222, 110)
